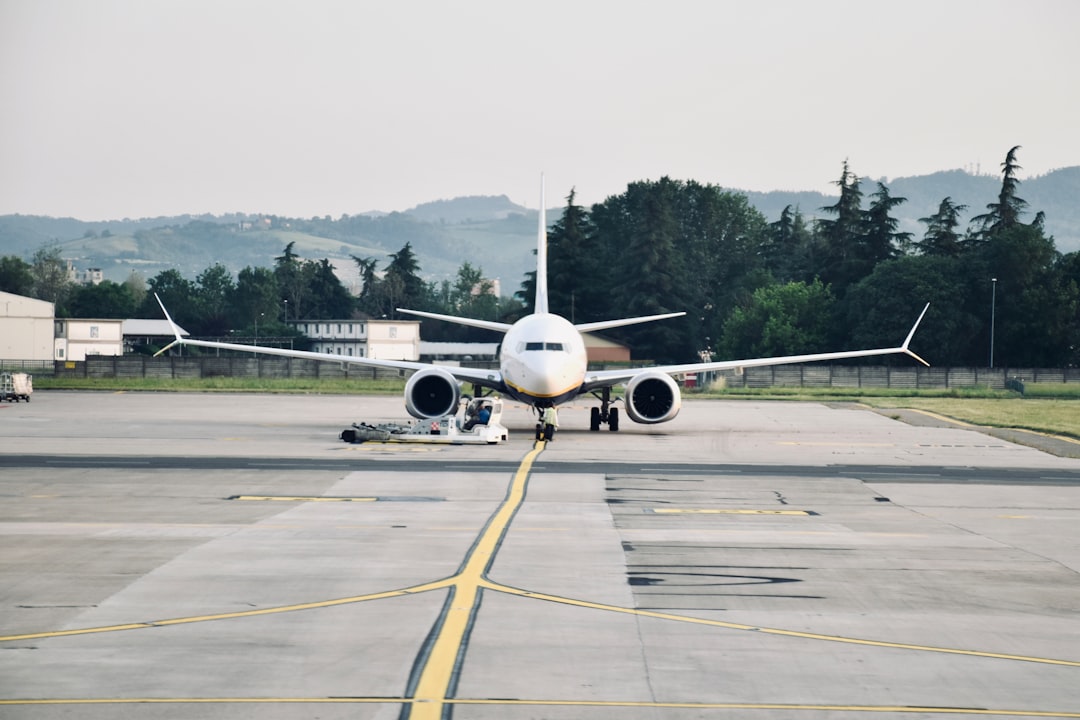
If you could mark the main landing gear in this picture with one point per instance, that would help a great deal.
(605, 414)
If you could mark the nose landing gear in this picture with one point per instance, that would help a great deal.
(605, 414)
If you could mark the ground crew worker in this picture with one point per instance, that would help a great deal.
(550, 420)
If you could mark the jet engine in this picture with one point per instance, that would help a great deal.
(652, 397)
(432, 393)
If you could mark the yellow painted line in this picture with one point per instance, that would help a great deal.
(943, 418)
(228, 616)
(924, 709)
(302, 498)
(437, 673)
(720, 511)
(772, 631)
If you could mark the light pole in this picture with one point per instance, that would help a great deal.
(993, 311)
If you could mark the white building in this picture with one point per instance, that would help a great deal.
(26, 328)
(380, 339)
(77, 338)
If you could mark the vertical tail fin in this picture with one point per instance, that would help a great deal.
(540, 305)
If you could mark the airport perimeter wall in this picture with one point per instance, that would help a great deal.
(140, 366)
(881, 376)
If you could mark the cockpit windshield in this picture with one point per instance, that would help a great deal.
(529, 346)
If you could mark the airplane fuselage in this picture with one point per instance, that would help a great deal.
(543, 359)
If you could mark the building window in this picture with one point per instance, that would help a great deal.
(393, 331)
(94, 331)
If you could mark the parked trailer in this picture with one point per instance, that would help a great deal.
(16, 386)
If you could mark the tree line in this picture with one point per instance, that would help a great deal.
(849, 279)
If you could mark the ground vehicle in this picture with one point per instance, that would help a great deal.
(16, 386)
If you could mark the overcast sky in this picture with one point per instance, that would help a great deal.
(138, 108)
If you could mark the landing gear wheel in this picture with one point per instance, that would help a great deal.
(594, 419)
(613, 420)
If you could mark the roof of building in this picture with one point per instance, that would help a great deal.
(150, 328)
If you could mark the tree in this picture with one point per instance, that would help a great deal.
(650, 270)
(255, 299)
(15, 275)
(787, 250)
(402, 285)
(1005, 213)
(50, 274)
(1031, 306)
(574, 265)
(136, 286)
(294, 283)
(942, 237)
(104, 300)
(789, 319)
(329, 298)
(878, 310)
(177, 293)
(215, 290)
(837, 256)
(367, 302)
(881, 240)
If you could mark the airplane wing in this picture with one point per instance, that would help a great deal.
(606, 324)
(478, 376)
(607, 378)
(471, 322)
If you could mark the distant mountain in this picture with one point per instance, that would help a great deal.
(474, 208)
(487, 231)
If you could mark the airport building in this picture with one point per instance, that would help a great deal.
(379, 339)
(78, 338)
(26, 328)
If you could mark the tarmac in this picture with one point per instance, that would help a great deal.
(227, 556)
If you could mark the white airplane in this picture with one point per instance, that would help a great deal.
(542, 362)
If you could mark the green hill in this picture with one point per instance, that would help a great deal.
(489, 232)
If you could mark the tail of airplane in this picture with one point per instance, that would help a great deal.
(540, 304)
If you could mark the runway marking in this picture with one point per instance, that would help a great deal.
(436, 672)
(723, 511)
(289, 498)
(772, 631)
(791, 707)
(943, 418)
(833, 444)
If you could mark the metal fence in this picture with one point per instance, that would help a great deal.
(843, 376)
(139, 366)
(904, 378)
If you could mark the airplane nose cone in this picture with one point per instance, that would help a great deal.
(551, 374)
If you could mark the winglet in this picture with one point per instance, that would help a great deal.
(176, 330)
(907, 341)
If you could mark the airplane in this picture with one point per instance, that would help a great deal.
(542, 363)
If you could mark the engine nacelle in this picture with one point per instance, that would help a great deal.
(652, 397)
(432, 393)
